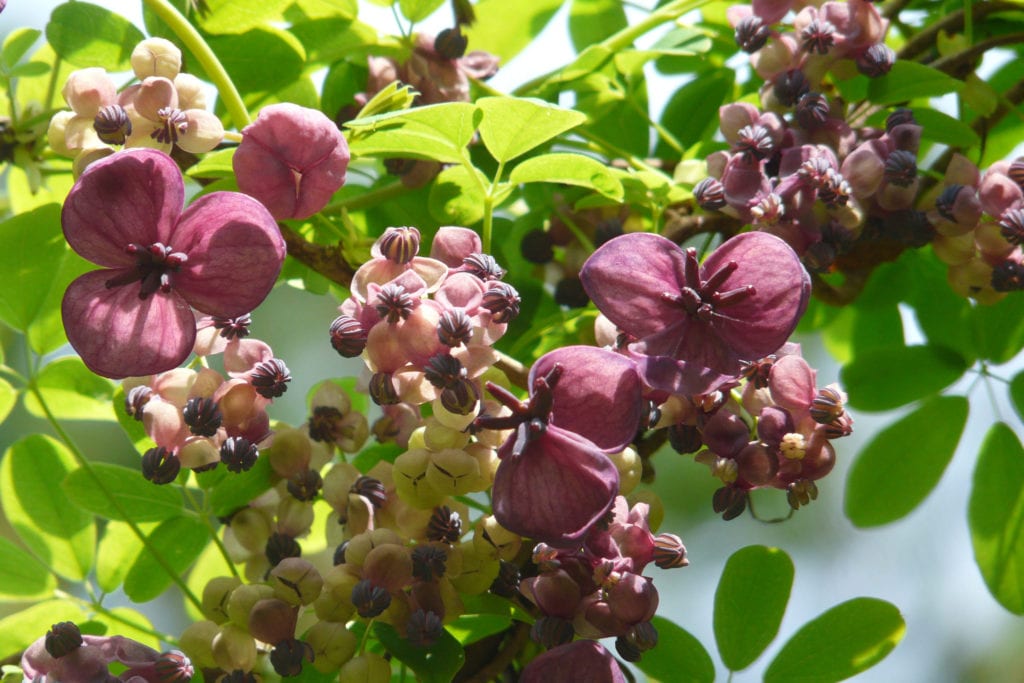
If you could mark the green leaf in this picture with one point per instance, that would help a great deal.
(999, 329)
(374, 453)
(456, 197)
(56, 531)
(238, 16)
(995, 515)
(749, 603)
(854, 330)
(591, 21)
(237, 490)
(847, 639)
(512, 126)
(107, 43)
(140, 500)
(418, 10)
(469, 628)
(507, 27)
(437, 664)
(438, 131)
(245, 57)
(679, 657)
(22, 577)
(943, 128)
(910, 80)
(119, 547)
(178, 541)
(29, 69)
(72, 392)
(21, 629)
(17, 43)
(889, 377)
(900, 466)
(691, 114)
(214, 165)
(569, 169)
(33, 244)
(8, 397)
(1017, 393)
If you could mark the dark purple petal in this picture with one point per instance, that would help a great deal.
(119, 335)
(679, 377)
(598, 395)
(558, 488)
(582, 660)
(626, 278)
(759, 324)
(235, 251)
(134, 196)
(293, 159)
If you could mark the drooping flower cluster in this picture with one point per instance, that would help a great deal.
(166, 108)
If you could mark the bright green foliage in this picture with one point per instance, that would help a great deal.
(116, 492)
(22, 577)
(178, 540)
(507, 27)
(60, 534)
(900, 466)
(19, 630)
(1017, 393)
(570, 169)
(418, 10)
(457, 196)
(108, 43)
(910, 80)
(232, 492)
(679, 656)
(749, 603)
(842, 642)
(999, 329)
(889, 377)
(591, 21)
(996, 516)
(8, 397)
(72, 392)
(238, 16)
(439, 132)
(513, 126)
(436, 664)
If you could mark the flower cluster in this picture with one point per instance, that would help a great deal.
(167, 108)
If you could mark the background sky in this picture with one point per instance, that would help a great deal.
(923, 564)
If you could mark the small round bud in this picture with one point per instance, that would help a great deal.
(156, 57)
(371, 489)
(216, 595)
(270, 378)
(238, 454)
(160, 465)
(112, 124)
(444, 370)
(901, 168)
(332, 644)
(710, 194)
(828, 405)
(242, 599)
(382, 389)
(751, 33)
(370, 600)
(1011, 226)
(818, 37)
(399, 245)
(669, 551)
(484, 266)
(281, 546)
(202, 416)
(454, 328)
(296, 581)
(173, 667)
(569, 292)
(288, 655)
(1016, 171)
(876, 61)
(461, 399)
(62, 639)
(136, 399)
(790, 86)
(450, 43)
(234, 648)
(348, 336)
(423, 628)
(502, 300)
(537, 246)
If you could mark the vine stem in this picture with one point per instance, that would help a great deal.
(87, 466)
(100, 609)
(213, 532)
(188, 35)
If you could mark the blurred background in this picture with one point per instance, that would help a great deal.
(956, 632)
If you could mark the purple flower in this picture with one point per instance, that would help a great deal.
(555, 480)
(293, 159)
(582, 660)
(694, 323)
(221, 256)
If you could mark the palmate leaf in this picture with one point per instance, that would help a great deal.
(569, 169)
(439, 132)
(72, 392)
(238, 16)
(137, 499)
(456, 196)
(505, 28)
(847, 639)
(119, 547)
(22, 577)
(108, 43)
(58, 532)
(512, 126)
(889, 377)
(995, 515)
(749, 603)
(901, 465)
(179, 541)
(679, 657)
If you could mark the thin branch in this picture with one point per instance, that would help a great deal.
(951, 23)
(326, 259)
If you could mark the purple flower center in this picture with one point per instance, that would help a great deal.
(174, 124)
(530, 417)
(701, 298)
(153, 267)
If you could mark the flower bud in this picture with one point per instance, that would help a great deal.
(271, 620)
(216, 594)
(238, 454)
(156, 57)
(751, 33)
(347, 336)
(366, 668)
(160, 465)
(62, 639)
(296, 581)
(233, 648)
(876, 61)
(399, 245)
(332, 644)
(270, 378)
(202, 416)
(197, 642)
(112, 124)
(287, 657)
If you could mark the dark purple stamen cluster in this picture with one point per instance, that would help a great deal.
(270, 378)
(699, 298)
(160, 465)
(454, 327)
(370, 489)
(502, 300)
(348, 336)
(203, 416)
(175, 124)
(233, 328)
(529, 418)
(153, 268)
(484, 266)
(394, 303)
(112, 124)
(238, 454)
(444, 525)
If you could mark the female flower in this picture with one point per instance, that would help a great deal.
(221, 255)
(694, 323)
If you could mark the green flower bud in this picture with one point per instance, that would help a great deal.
(242, 599)
(296, 581)
(196, 641)
(366, 668)
(233, 648)
(332, 644)
(215, 597)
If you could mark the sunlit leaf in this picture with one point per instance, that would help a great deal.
(119, 547)
(237, 490)
(178, 541)
(513, 126)
(214, 165)
(418, 10)
(108, 42)
(999, 329)
(995, 515)
(8, 397)
(909, 80)
(245, 57)
(847, 639)
(33, 243)
(591, 21)
(1017, 393)
(889, 377)
(856, 329)
(49, 524)
(691, 114)
(679, 657)
(901, 465)
(435, 664)
(940, 127)
(122, 494)
(457, 197)
(17, 43)
(72, 392)
(570, 169)
(238, 16)
(22, 577)
(749, 603)
(21, 629)
(505, 28)
(440, 132)
(469, 628)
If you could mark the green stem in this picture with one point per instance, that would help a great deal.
(114, 502)
(489, 193)
(114, 616)
(51, 86)
(188, 35)
(213, 532)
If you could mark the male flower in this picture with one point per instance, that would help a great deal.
(694, 323)
(221, 255)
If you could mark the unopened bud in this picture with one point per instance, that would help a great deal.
(160, 465)
(348, 336)
(62, 639)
